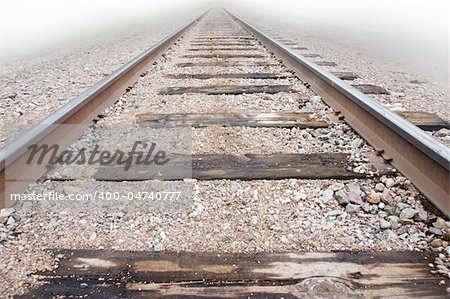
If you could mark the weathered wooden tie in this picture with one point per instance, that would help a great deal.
(224, 49)
(226, 63)
(212, 43)
(424, 120)
(229, 76)
(196, 120)
(311, 55)
(123, 274)
(284, 40)
(326, 63)
(298, 48)
(227, 89)
(234, 37)
(219, 55)
(248, 167)
(370, 89)
(345, 75)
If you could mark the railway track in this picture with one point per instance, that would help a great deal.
(254, 131)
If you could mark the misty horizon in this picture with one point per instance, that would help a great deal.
(409, 34)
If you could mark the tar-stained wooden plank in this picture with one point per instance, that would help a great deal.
(286, 40)
(223, 49)
(311, 55)
(248, 167)
(326, 63)
(123, 274)
(227, 89)
(298, 48)
(223, 56)
(224, 37)
(226, 63)
(229, 76)
(425, 120)
(276, 119)
(370, 89)
(345, 75)
(212, 43)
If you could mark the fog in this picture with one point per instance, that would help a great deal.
(28, 27)
(409, 33)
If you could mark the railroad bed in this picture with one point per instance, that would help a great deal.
(285, 198)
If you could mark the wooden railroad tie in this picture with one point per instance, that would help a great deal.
(213, 43)
(326, 63)
(228, 89)
(311, 55)
(197, 120)
(345, 75)
(424, 120)
(298, 48)
(223, 49)
(370, 89)
(223, 56)
(226, 64)
(230, 76)
(124, 274)
(234, 37)
(248, 167)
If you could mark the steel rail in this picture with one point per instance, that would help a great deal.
(15, 173)
(418, 156)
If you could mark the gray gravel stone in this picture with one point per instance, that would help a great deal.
(402, 205)
(10, 221)
(447, 250)
(342, 197)
(336, 186)
(384, 224)
(334, 213)
(5, 213)
(435, 231)
(408, 213)
(366, 207)
(379, 187)
(355, 198)
(394, 222)
(352, 208)
(353, 187)
(358, 142)
(327, 195)
(422, 215)
(389, 183)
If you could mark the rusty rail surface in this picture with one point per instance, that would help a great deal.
(418, 156)
(82, 110)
